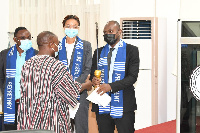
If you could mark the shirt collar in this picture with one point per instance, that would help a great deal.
(22, 54)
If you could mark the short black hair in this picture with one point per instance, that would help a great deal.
(71, 17)
(45, 37)
(18, 29)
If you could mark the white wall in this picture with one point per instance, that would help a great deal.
(170, 10)
(171, 79)
(131, 8)
(4, 24)
(189, 9)
(162, 70)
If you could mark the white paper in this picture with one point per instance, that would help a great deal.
(103, 100)
(72, 111)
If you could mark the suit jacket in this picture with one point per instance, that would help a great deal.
(126, 84)
(87, 61)
(3, 61)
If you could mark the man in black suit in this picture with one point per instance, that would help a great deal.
(124, 120)
(11, 61)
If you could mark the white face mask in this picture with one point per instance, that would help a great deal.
(25, 44)
(56, 54)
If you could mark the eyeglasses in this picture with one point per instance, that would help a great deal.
(72, 26)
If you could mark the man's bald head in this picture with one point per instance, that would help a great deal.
(45, 37)
(113, 23)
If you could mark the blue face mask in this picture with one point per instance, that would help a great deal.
(25, 44)
(71, 33)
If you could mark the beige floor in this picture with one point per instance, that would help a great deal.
(93, 128)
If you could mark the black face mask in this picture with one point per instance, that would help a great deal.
(110, 38)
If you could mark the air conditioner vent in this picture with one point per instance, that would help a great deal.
(136, 29)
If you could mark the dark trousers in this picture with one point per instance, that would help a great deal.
(106, 124)
(12, 126)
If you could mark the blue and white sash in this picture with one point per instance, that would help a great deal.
(115, 108)
(9, 91)
(77, 60)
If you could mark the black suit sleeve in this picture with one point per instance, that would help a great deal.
(2, 77)
(94, 62)
(131, 70)
(95, 107)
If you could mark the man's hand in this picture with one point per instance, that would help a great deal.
(103, 89)
(87, 85)
(96, 81)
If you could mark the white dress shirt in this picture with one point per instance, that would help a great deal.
(69, 49)
(114, 54)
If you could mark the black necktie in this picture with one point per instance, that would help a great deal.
(109, 59)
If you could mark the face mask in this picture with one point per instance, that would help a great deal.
(110, 38)
(25, 44)
(56, 52)
(71, 33)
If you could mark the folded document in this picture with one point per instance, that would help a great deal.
(103, 100)
(72, 111)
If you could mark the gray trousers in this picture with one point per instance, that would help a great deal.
(81, 117)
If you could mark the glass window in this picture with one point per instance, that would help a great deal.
(190, 29)
(190, 107)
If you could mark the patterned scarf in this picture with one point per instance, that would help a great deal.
(77, 60)
(9, 94)
(115, 108)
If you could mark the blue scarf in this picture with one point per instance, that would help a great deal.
(115, 108)
(77, 60)
(9, 94)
